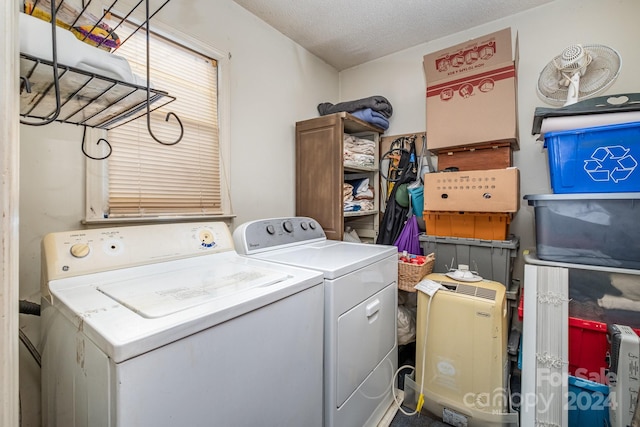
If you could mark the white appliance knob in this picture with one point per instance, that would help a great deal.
(304, 225)
(206, 238)
(80, 250)
(312, 225)
(271, 229)
(288, 226)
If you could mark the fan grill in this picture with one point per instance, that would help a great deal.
(600, 67)
(574, 58)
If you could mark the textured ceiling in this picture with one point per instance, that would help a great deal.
(345, 33)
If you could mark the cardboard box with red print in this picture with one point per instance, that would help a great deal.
(471, 93)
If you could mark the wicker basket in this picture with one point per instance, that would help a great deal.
(410, 274)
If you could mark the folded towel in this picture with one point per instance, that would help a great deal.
(35, 40)
(376, 103)
(355, 144)
(360, 189)
(373, 117)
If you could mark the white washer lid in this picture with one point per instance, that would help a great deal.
(333, 258)
(122, 333)
(165, 293)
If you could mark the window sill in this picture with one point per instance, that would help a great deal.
(156, 219)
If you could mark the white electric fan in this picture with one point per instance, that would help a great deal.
(579, 72)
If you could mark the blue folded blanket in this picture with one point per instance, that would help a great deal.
(373, 117)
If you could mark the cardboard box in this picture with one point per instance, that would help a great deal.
(486, 156)
(494, 190)
(471, 93)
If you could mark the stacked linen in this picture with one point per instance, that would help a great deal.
(373, 117)
(358, 152)
(358, 195)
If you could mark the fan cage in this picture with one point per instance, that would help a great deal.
(603, 69)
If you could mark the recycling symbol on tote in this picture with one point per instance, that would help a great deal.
(610, 164)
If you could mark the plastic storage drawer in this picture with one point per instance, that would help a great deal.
(474, 225)
(597, 159)
(597, 229)
(492, 259)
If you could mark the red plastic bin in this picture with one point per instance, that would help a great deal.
(588, 349)
(521, 306)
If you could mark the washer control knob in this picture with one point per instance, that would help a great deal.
(304, 225)
(288, 226)
(312, 225)
(271, 229)
(80, 250)
(206, 239)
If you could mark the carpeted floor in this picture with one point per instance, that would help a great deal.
(422, 420)
(406, 356)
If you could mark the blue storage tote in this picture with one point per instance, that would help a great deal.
(601, 159)
(588, 403)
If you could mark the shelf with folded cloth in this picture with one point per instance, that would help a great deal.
(86, 99)
(96, 88)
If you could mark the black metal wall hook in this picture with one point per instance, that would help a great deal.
(84, 151)
(56, 77)
(170, 114)
(25, 82)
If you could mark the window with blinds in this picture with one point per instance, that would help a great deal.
(147, 178)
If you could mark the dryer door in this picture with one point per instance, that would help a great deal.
(366, 335)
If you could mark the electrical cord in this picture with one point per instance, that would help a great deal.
(424, 353)
(395, 397)
(431, 291)
(28, 307)
(24, 339)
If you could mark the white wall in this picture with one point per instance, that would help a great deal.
(273, 84)
(543, 33)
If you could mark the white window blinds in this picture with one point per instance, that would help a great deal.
(146, 178)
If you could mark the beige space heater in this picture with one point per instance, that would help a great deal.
(463, 371)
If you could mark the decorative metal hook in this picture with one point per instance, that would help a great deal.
(56, 77)
(84, 133)
(170, 114)
(26, 83)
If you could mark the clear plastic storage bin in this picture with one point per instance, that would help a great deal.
(597, 228)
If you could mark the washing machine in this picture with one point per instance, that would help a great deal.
(360, 344)
(166, 325)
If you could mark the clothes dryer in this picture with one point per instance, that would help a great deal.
(360, 344)
(165, 325)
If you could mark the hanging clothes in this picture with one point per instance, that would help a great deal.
(396, 213)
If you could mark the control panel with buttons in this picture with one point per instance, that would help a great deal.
(260, 235)
(72, 253)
